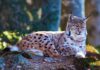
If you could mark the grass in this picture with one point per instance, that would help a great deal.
(93, 49)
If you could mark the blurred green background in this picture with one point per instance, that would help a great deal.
(20, 17)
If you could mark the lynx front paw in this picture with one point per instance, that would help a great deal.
(80, 55)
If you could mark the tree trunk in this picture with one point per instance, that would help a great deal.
(75, 7)
(94, 22)
(21, 17)
(30, 15)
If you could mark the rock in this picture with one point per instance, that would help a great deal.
(2, 64)
(18, 62)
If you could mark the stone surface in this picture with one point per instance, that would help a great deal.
(18, 61)
(11, 61)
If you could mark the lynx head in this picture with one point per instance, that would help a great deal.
(76, 25)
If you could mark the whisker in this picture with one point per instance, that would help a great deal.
(93, 13)
(88, 16)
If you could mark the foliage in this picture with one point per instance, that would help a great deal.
(20, 17)
(8, 37)
(16, 19)
(91, 48)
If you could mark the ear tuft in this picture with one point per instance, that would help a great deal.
(70, 17)
(85, 19)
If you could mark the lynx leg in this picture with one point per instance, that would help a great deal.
(51, 50)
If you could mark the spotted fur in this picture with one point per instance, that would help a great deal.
(55, 43)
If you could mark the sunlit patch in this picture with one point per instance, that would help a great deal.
(28, 28)
(6, 33)
(96, 63)
(8, 37)
(29, 2)
(30, 15)
(0, 39)
(39, 13)
(4, 44)
(91, 48)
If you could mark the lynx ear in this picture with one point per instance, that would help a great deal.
(86, 18)
(70, 17)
